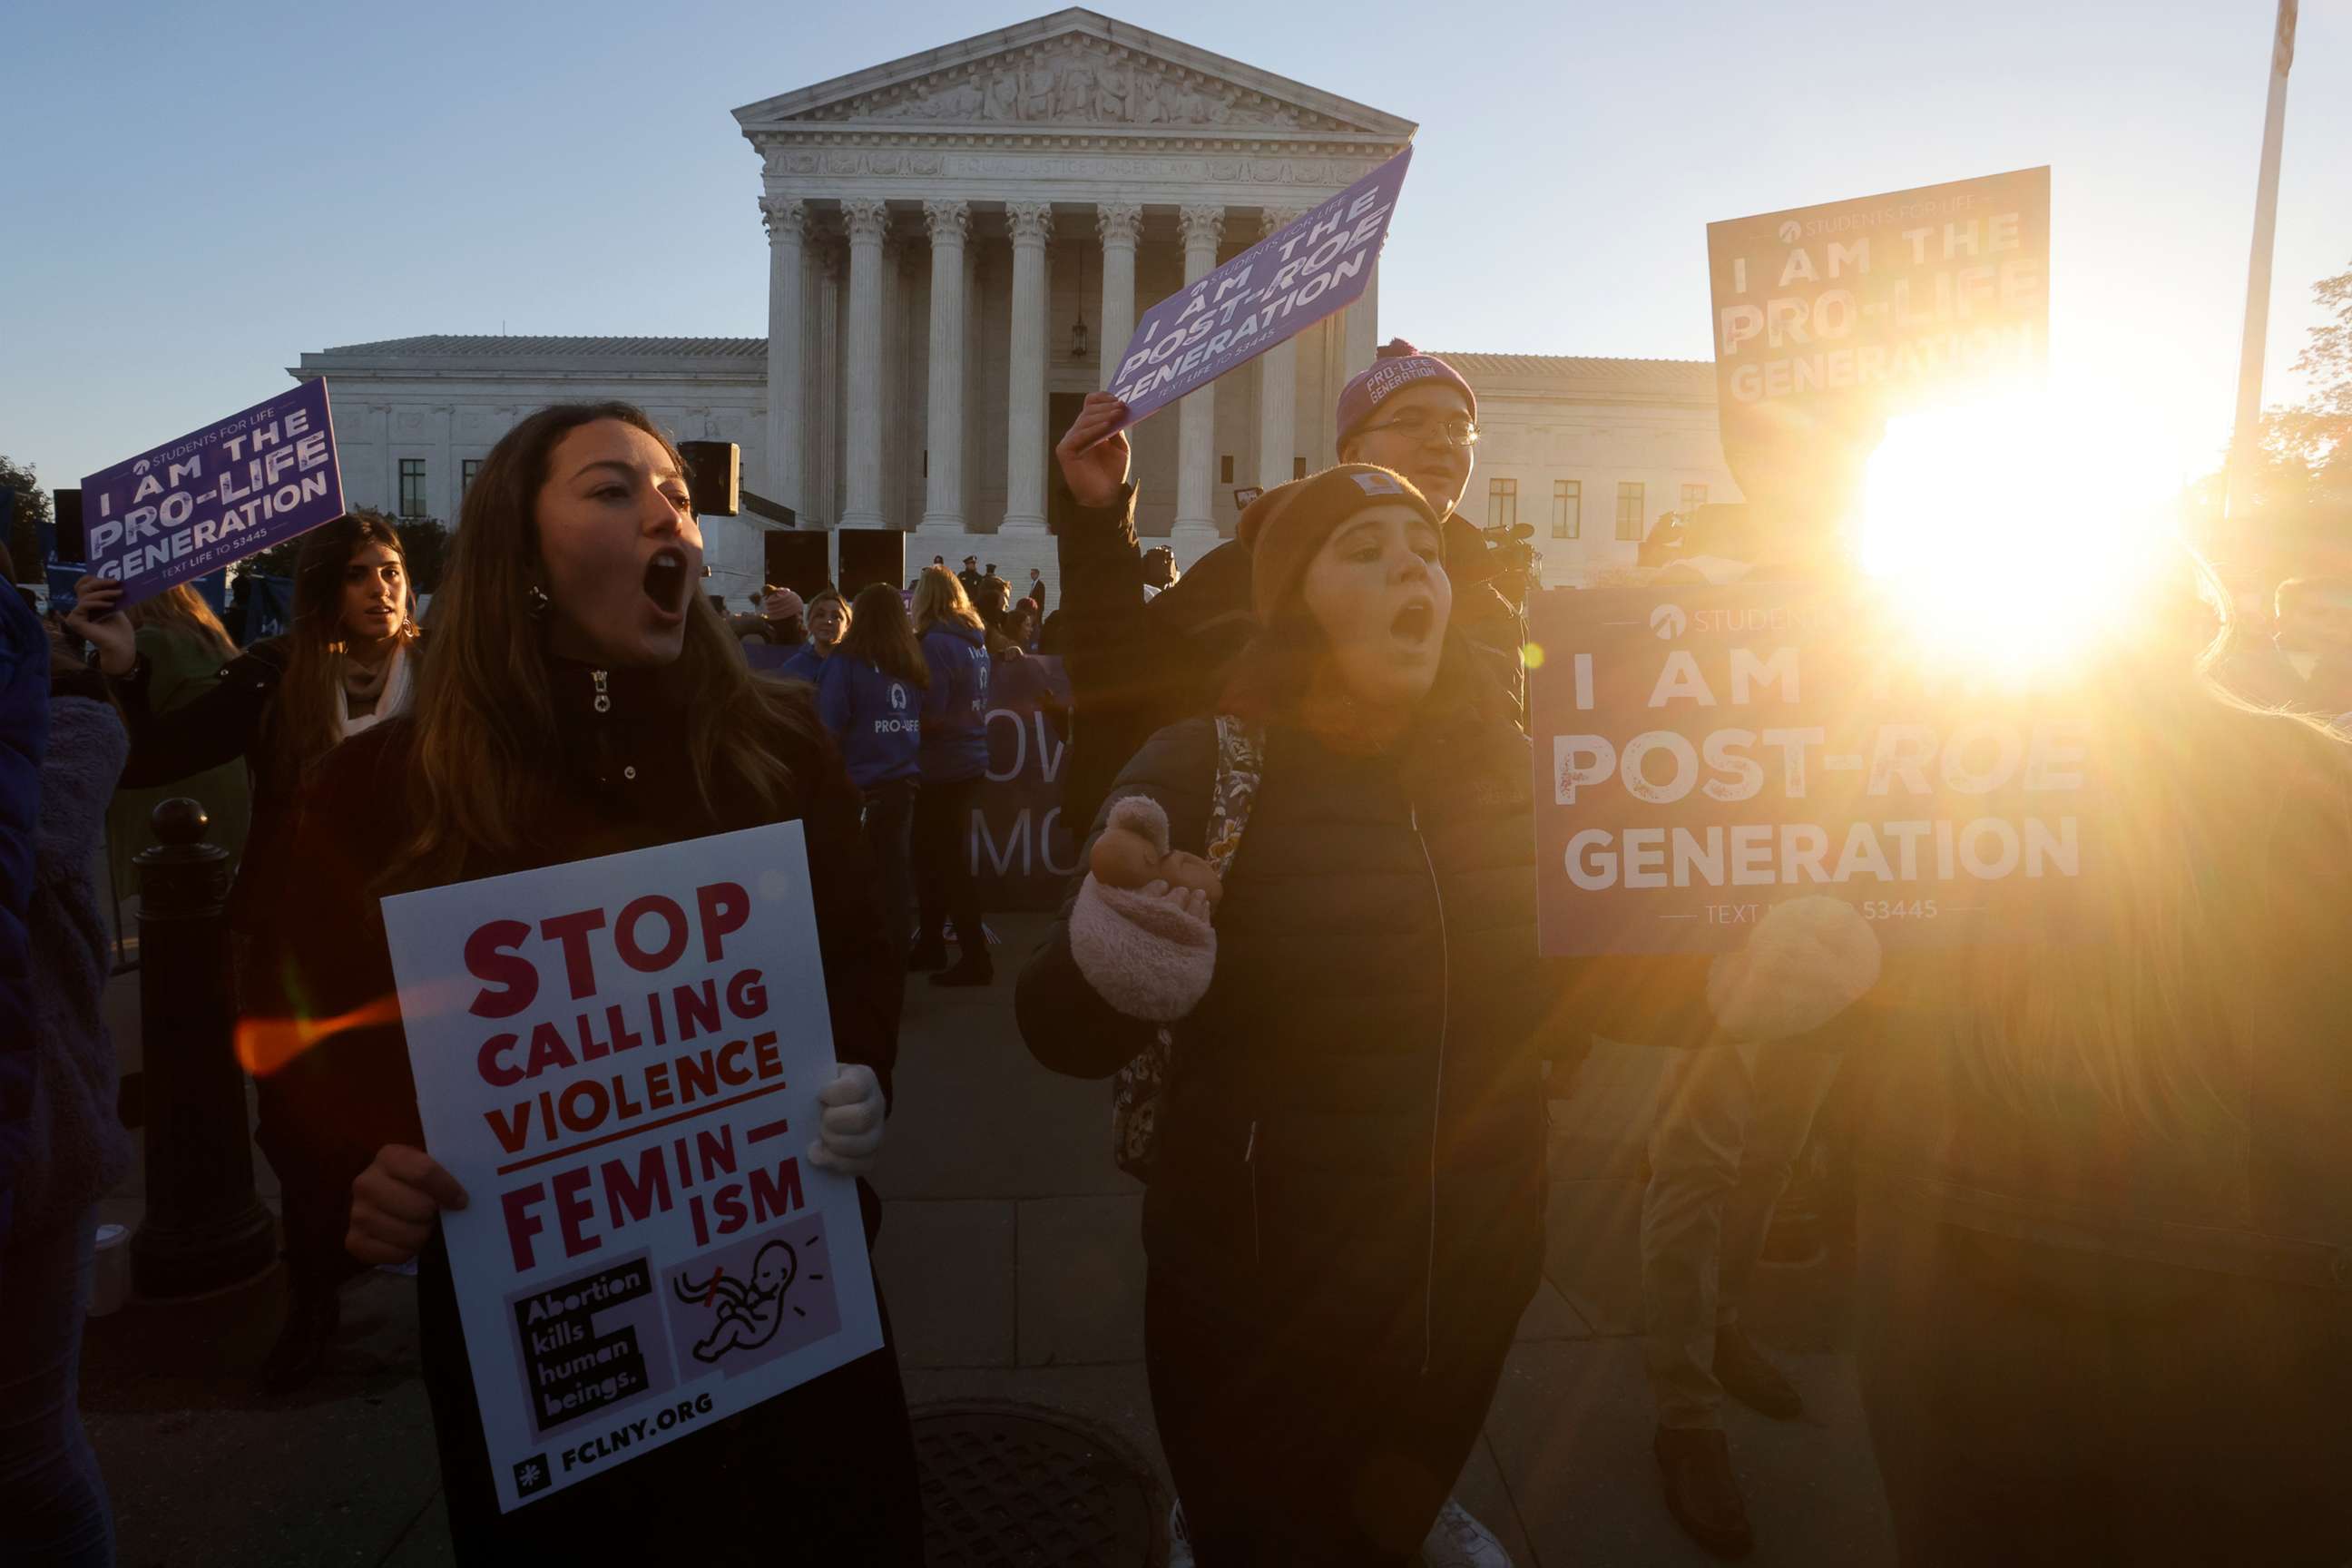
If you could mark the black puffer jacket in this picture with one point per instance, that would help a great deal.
(1355, 1128)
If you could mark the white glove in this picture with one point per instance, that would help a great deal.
(849, 1127)
(1809, 960)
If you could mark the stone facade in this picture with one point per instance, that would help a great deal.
(958, 244)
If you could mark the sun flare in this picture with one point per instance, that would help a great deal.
(1994, 530)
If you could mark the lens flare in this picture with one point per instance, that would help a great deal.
(266, 1044)
(1995, 530)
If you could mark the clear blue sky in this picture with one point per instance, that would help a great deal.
(192, 201)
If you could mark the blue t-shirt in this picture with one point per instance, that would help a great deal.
(877, 718)
(955, 709)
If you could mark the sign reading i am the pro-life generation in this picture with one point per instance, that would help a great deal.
(1876, 305)
(1703, 753)
(618, 1059)
(1310, 269)
(191, 506)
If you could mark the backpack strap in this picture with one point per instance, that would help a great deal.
(1241, 761)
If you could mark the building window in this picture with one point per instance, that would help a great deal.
(1297, 467)
(1502, 502)
(466, 473)
(1694, 498)
(1568, 509)
(411, 487)
(1226, 470)
(1629, 510)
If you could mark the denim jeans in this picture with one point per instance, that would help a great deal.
(1731, 1122)
(53, 1507)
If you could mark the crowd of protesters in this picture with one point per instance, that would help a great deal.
(2104, 1190)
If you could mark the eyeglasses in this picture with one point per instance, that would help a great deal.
(1454, 432)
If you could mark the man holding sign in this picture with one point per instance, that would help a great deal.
(1827, 320)
(592, 959)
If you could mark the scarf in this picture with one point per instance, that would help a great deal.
(386, 686)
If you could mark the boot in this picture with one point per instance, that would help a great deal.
(972, 967)
(313, 1317)
(930, 953)
(1701, 1492)
(1749, 1375)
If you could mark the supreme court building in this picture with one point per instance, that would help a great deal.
(958, 243)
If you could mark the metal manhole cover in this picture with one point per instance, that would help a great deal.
(1006, 1485)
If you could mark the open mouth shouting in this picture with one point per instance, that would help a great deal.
(666, 584)
(1415, 625)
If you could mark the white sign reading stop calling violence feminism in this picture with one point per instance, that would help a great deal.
(618, 1059)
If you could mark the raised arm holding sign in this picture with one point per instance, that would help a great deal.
(191, 506)
(1304, 271)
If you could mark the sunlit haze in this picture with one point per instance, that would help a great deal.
(1996, 529)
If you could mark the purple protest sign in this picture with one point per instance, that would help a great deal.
(1020, 848)
(191, 506)
(1703, 753)
(1302, 272)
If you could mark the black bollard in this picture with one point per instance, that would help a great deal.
(204, 1226)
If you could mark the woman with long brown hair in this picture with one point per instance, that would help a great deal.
(871, 696)
(585, 700)
(344, 665)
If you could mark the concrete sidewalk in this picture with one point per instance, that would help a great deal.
(1012, 1260)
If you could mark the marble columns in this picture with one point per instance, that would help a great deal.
(787, 221)
(862, 504)
(1196, 436)
(949, 224)
(1031, 224)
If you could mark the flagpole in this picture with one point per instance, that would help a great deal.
(2246, 430)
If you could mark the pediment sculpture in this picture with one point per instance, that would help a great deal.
(1077, 85)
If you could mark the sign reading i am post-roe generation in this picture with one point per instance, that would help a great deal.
(1886, 301)
(618, 1059)
(1307, 270)
(1703, 753)
(191, 506)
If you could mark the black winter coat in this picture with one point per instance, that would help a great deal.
(626, 786)
(1355, 1126)
(229, 723)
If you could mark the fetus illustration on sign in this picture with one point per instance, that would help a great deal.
(749, 1310)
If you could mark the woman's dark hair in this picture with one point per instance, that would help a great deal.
(302, 723)
(881, 634)
(486, 709)
(994, 597)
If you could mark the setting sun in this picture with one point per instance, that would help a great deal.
(2001, 543)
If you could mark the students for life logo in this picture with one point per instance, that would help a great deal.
(898, 697)
(1669, 621)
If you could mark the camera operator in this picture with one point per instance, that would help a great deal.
(1139, 661)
